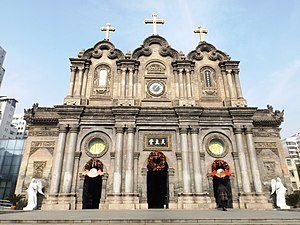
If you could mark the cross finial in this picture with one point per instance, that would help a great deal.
(154, 21)
(107, 29)
(201, 31)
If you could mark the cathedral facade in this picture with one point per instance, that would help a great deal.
(123, 108)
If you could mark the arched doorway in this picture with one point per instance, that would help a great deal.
(92, 186)
(157, 181)
(221, 178)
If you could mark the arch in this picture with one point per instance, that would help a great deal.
(97, 51)
(157, 180)
(220, 171)
(213, 53)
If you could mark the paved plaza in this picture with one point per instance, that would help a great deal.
(157, 216)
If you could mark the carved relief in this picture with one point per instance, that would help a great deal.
(39, 168)
(269, 167)
(265, 145)
(35, 145)
(155, 68)
(43, 133)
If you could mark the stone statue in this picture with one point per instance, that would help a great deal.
(273, 191)
(280, 194)
(34, 187)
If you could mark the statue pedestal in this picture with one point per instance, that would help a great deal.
(61, 201)
(254, 201)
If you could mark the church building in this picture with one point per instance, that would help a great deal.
(157, 119)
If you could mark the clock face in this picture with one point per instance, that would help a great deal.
(156, 88)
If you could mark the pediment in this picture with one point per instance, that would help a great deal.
(211, 51)
(97, 51)
(165, 48)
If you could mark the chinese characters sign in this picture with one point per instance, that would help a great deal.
(157, 141)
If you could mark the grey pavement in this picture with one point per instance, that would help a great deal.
(151, 216)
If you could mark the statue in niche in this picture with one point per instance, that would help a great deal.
(33, 189)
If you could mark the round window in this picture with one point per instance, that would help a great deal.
(97, 146)
(216, 146)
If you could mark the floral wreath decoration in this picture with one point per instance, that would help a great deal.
(93, 164)
(157, 161)
(220, 169)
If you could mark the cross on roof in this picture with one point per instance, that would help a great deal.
(107, 29)
(154, 21)
(201, 31)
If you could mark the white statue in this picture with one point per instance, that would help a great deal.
(280, 195)
(34, 187)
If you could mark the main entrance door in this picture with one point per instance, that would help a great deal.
(157, 181)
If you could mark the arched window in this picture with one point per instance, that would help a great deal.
(208, 78)
(102, 78)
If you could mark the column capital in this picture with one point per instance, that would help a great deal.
(119, 129)
(130, 129)
(237, 129)
(136, 155)
(194, 130)
(183, 130)
(74, 128)
(73, 68)
(62, 128)
(178, 155)
(249, 129)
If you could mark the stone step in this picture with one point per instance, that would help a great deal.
(112, 217)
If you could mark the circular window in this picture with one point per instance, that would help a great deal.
(96, 146)
(216, 147)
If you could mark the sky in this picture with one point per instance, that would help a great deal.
(40, 37)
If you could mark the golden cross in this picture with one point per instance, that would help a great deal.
(154, 21)
(201, 31)
(106, 30)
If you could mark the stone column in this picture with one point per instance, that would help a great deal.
(196, 161)
(123, 84)
(181, 92)
(72, 80)
(238, 84)
(130, 83)
(84, 83)
(185, 161)
(70, 156)
(225, 82)
(230, 84)
(57, 160)
(117, 181)
(179, 165)
(253, 160)
(188, 86)
(135, 171)
(129, 161)
(242, 159)
(79, 82)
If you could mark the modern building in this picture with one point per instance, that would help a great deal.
(157, 119)
(2, 70)
(7, 110)
(19, 123)
(291, 146)
(11, 152)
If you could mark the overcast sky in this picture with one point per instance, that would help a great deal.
(40, 37)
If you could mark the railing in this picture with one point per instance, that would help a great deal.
(4, 204)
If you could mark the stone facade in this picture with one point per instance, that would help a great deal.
(155, 98)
